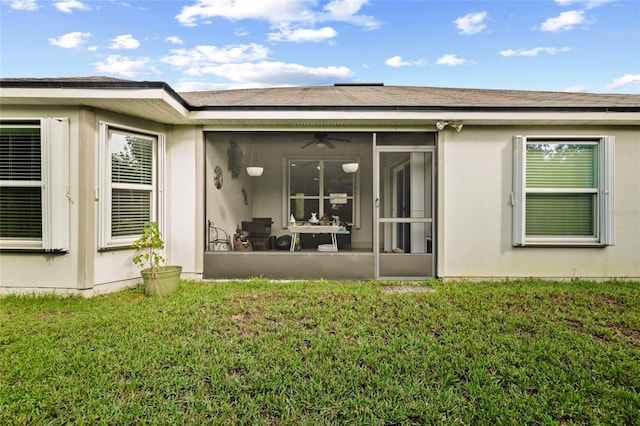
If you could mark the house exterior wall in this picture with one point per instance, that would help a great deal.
(184, 199)
(475, 217)
(28, 272)
(84, 268)
(474, 220)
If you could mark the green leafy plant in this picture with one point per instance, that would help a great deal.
(150, 245)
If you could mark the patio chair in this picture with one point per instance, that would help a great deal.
(258, 233)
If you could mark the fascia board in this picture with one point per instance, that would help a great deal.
(506, 118)
(92, 97)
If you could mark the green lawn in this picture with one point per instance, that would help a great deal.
(324, 352)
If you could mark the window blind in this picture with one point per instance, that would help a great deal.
(130, 210)
(20, 175)
(132, 180)
(132, 162)
(562, 166)
(560, 215)
(569, 168)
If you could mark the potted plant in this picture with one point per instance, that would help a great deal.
(159, 279)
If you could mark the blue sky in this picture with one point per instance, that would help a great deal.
(557, 45)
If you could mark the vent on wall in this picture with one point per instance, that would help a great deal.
(358, 84)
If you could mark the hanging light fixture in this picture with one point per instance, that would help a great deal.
(253, 169)
(351, 166)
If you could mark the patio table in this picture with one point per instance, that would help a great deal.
(314, 229)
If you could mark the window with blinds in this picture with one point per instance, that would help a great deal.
(561, 186)
(562, 190)
(34, 184)
(20, 181)
(132, 181)
(130, 178)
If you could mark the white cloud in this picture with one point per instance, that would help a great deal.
(240, 32)
(303, 34)
(202, 56)
(67, 6)
(533, 52)
(174, 40)
(276, 12)
(578, 88)
(125, 41)
(397, 62)
(565, 21)
(70, 40)
(116, 64)
(451, 60)
(277, 73)
(347, 11)
(29, 5)
(627, 80)
(589, 4)
(271, 11)
(471, 23)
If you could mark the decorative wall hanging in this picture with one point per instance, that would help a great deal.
(217, 177)
(235, 155)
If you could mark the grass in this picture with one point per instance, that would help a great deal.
(324, 352)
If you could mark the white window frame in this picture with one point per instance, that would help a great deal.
(603, 213)
(103, 193)
(54, 184)
(320, 197)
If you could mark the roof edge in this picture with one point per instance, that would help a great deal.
(116, 84)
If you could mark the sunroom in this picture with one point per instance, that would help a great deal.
(325, 219)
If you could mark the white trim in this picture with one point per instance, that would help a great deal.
(103, 192)
(607, 166)
(237, 120)
(603, 226)
(56, 200)
(54, 184)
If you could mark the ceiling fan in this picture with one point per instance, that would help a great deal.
(322, 140)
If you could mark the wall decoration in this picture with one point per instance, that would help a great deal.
(245, 196)
(217, 177)
(235, 155)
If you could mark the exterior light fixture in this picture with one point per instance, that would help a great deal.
(457, 125)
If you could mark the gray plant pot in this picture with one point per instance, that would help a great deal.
(161, 282)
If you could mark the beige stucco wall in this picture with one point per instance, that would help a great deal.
(85, 269)
(475, 215)
(184, 199)
(33, 272)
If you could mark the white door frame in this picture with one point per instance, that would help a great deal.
(377, 217)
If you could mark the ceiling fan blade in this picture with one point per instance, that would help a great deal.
(311, 142)
(329, 144)
(339, 139)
